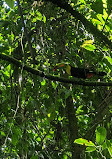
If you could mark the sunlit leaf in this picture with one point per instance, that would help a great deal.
(109, 59)
(83, 1)
(99, 16)
(49, 115)
(43, 82)
(44, 19)
(96, 22)
(88, 45)
(34, 19)
(38, 139)
(85, 142)
(39, 16)
(88, 42)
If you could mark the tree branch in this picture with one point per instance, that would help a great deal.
(50, 77)
(88, 25)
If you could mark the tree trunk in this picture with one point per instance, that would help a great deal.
(73, 128)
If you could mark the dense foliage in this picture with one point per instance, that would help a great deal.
(40, 117)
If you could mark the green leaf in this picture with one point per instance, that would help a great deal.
(65, 157)
(97, 6)
(99, 16)
(34, 20)
(104, 146)
(84, 142)
(110, 150)
(100, 135)
(54, 85)
(2, 133)
(10, 3)
(44, 19)
(96, 22)
(88, 42)
(88, 45)
(39, 16)
(83, 1)
(43, 82)
(109, 59)
(109, 146)
(49, 115)
(90, 149)
(38, 139)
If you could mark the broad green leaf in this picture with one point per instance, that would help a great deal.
(85, 142)
(97, 6)
(90, 149)
(100, 135)
(10, 3)
(88, 45)
(109, 59)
